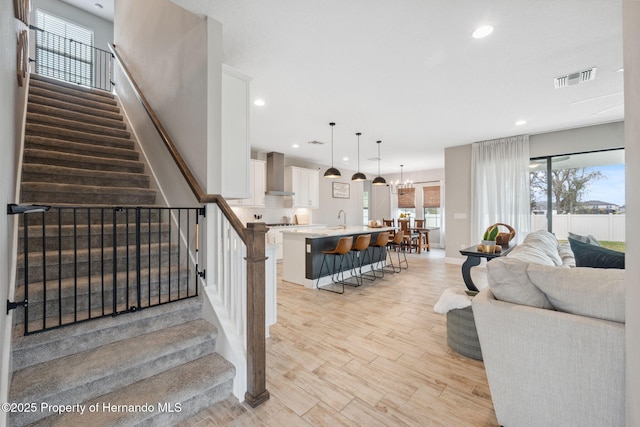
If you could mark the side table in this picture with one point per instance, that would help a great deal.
(473, 259)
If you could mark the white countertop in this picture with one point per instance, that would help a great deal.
(335, 231)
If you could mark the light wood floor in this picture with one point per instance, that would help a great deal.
(375, 356)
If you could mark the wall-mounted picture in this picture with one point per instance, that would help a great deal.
(340, 190)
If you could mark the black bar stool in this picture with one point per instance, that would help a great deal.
(360, 251)
(398, 246)
(381, 245)
(342, 248)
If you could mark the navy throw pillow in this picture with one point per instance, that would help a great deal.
(588, 255)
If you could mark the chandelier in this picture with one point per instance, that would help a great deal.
(401, 186)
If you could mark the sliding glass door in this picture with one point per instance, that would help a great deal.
(580, 193)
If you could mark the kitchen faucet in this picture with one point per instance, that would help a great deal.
(344, 222)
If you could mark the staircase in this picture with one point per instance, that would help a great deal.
(134, 363)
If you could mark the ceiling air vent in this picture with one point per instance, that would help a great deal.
(574, 78)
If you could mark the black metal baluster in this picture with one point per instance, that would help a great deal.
(44, 274)
(75, 265)
(138, 265)
(126, 231)
(59, 266)
(25, 220)
(160, 219)
(89, 257)
(115, 267)
(149, 257)
(102, 257)
(187, 257)
(169, 250)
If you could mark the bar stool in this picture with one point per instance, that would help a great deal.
(397, 244)
(342, 248)
(381, 245)
(360, 251)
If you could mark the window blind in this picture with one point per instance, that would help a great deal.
(431, 196)
(64, 50)
(406, 197)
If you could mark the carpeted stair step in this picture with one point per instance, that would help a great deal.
(75, 93)
(42, 347)
(69, 296)
(66, 123)
(63, 175)
(79, 161)
(68, 114)
(44, 81)
(48, 193)
(106, 105)
(175, 394)
(68, 106)
(47, 131)
(60, 145)
(92, 373)
(66, 236)
(70, 214)
(84, 262)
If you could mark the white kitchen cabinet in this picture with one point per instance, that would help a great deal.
(305, 184)
(235, 176)
(257, 181)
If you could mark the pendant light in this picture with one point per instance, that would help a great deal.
(358, 176)
(378, 180)
(332, 172)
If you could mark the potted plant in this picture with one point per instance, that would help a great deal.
(489, 239)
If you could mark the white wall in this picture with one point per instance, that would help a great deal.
(102, 29)
(165, 47)
(12, 102)
(631, 34)
(458, 166)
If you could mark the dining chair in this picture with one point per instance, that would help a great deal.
(409, 238)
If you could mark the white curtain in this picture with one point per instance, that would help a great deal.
(500, 185)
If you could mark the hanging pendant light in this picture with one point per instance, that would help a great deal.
(332, 172)
(358, 176)
(378, 180)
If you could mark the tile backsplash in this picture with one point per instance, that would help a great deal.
(276, 210)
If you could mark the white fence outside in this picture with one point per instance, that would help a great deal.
(603, 227)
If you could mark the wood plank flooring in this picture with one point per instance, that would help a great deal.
(375, 356)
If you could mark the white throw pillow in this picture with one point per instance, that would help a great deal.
(509, 282)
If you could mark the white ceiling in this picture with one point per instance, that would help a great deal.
(101, 8)
(408, 72)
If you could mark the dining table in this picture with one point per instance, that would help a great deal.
(423, 237)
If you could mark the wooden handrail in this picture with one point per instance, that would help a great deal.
(252, 236)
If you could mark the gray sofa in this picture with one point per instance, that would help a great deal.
(552, 338)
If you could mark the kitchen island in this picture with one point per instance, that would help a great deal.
(303, 252)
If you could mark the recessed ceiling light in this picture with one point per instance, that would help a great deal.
(98, 6)
(621, 69)
(295, 146)
(344, 159)
(259, 102)
(521, 122)
(482, 32)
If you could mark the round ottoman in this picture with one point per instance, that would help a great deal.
(461, 333)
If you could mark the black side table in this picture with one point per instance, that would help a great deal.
(473, 259)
